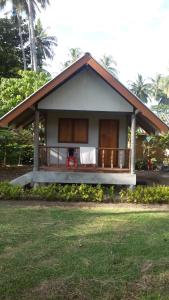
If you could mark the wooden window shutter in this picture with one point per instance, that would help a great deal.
(65, 131)
(80, 131)
(73, 131)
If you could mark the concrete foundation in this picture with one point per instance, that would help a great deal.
(76, 177)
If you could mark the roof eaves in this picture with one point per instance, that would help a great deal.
(45, 89)
(127, 94)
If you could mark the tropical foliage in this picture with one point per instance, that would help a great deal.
(16, 147)
(14, 90)
(154, 147)
(141, 88)
(156, 91)
(10, 49)
(162, 111)
(108, 62)
(44, 44)
(146, 195)
(67, 192)
(164, 85)
(73, 55)
(28, 7)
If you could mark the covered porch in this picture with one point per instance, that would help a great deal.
(112, 165)
(107, 160)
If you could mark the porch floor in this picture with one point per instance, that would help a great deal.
(84, 169)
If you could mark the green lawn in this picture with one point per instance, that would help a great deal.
(73, 253)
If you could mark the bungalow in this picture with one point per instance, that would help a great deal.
(87, 115)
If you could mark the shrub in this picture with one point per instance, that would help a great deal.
(97, 193)
(111, 192)
(141, 164)
(48, 192)
(88, 192)
(8, 191)
(146, 195)
(67, 192)
(84, 192)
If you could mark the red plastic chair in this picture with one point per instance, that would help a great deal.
(71, 160)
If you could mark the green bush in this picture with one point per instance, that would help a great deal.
(86, 192)
(70, 192)
(67, 192)
(46, 192)
(141, 164)
(146, 195)
(97, 193)
(110, 192)
(8, 191)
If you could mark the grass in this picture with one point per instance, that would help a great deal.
(73, 253)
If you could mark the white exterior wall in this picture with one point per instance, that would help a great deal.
(86, 91)
(85, 95)
(93, 134)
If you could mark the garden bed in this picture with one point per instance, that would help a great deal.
(156, 194)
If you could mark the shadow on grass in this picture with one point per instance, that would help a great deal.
(57, 253)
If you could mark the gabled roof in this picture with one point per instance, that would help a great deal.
(145, 115)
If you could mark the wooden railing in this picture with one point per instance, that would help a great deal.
(106, 158)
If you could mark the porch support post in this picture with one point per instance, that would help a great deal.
(133, 142)
(36, 141)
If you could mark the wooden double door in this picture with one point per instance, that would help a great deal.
(108, 138)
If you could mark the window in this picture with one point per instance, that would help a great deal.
(73, 131)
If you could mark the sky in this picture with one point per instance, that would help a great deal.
(134, 32)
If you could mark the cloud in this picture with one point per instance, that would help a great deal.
(135, 32)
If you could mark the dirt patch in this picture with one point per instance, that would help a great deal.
(56, 289)
(151, 284)
(83, 289)
(10, 173)
(71, 205)
(68, 289)
(152, 177)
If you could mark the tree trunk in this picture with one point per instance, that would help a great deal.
(32, 36)
(30, 43)
(21, 41)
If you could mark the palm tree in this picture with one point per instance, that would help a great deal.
(32, 5)
(156, 89)
(29, 7)
(18, 7)
(108, 62)
(17, 14)
(141, 89)
(44, 44)
(164, 84)
(74, 54)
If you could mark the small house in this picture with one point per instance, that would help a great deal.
(87, 114)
